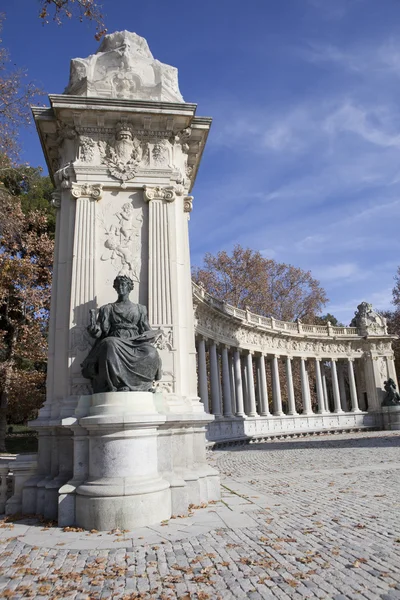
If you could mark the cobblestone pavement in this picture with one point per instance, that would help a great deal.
(316, 517)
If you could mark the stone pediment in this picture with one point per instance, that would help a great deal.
(124, 67)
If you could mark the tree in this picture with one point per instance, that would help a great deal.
(33, 191)
(393, 319)
(25, 281)
(81, 9)
(324, 319)
(247, 279)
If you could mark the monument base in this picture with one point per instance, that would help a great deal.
(391, 417)
(143, 465)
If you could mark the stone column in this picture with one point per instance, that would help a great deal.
(250, 386)
(290, 388)
(276, 388)
(169, 302)
(238, 384)
(215, 384)
(83, 283)
(232, 382)
(203, 382)
(245, 385)
(342, 387)
(325, 388)
(359, 373)
(305, 388)
(262, 377)
(353, 388)
(219, 379)
(320, 388)
(226, 384)
(391, 368)
(335, 387)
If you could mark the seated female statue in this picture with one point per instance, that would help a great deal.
(123, 357)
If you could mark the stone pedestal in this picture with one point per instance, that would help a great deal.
(124, 488)
(391, 417)
(123, 149)
(134, 465)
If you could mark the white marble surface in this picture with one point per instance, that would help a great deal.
(124, 67)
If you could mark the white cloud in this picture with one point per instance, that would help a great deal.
(371, 124)
(268, 252)
(338, 271)
(370, 59)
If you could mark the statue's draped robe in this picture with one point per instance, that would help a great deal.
(122, 358)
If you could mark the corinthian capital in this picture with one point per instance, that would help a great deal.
(159, 193)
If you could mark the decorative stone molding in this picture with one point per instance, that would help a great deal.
(124, 155)
(166, 340)
(87, 190)
(188, 204)
(63, 176)
(56, 199)
(159, 193)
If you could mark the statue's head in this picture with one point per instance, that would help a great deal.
(123, 280)
(127, 207)
(389, 385)
(364, 308)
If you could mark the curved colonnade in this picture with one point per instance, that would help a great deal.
(247, 365)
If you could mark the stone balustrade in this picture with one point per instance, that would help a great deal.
(246, 366)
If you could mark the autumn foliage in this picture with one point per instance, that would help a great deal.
(393, 320)
(57, 10)
(25, 283)
(246, 279)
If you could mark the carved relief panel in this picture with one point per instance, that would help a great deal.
(121, 244)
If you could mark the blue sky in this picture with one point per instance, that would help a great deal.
(303, 158)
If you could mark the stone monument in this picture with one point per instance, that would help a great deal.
(122, 446)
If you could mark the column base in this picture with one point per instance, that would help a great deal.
(95, 510)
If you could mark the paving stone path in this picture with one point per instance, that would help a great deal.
(316, 517)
